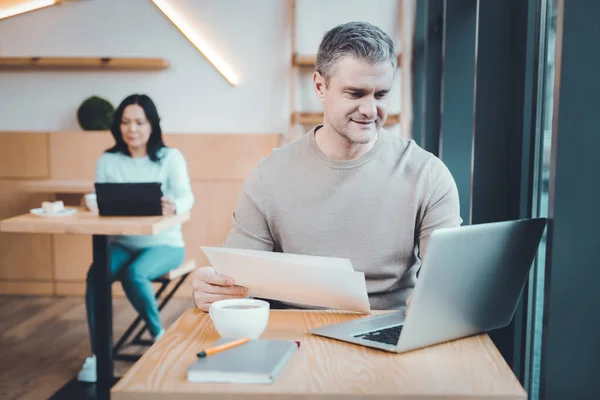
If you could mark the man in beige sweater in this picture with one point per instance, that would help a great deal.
(348, 188)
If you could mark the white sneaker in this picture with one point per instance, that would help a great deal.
(88, 371)
(158, 335)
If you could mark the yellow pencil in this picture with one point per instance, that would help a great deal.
(225, 346)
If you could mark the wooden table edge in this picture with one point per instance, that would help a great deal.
(162, 224)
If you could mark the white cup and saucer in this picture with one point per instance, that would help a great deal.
(53, 209)
(240, 318)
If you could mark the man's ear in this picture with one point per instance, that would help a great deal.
(319, 86)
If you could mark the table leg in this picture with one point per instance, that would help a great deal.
(103, 316)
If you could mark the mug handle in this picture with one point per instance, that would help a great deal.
(210, 311)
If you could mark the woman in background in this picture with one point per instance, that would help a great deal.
(139, 155)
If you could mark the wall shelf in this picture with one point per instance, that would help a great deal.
(116, 63)
(66, 186)
(299, 60)
(315, 118)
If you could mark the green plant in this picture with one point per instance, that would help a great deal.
(95, 114)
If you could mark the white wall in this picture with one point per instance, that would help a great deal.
(252, 35)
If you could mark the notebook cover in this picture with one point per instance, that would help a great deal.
(258, 361)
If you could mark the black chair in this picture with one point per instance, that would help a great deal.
(177, 275)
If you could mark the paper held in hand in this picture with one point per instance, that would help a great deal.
(310, 280)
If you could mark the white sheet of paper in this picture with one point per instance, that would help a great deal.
(317, 281)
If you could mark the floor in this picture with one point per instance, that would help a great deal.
(44, 340)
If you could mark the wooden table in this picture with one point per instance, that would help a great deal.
(323, 368)
(86, 222)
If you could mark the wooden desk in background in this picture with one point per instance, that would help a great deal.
(88, 223)
(323, 368)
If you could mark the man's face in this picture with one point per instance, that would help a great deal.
(355, 101)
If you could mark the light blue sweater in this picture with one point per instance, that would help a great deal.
(170, 171)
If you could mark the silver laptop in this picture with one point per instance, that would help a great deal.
(470, 282)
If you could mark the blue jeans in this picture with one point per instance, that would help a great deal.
(135, 270)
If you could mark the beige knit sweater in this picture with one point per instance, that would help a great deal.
(377, 210)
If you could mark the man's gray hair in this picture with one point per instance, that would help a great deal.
(362, 40)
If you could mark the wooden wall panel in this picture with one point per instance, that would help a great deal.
(24, 155)
(72, 257)
(23, 256)
(70, 289)
(78, 289)
(73, 155)
(222, 157)
(26, 288)
(15, 201)
(210, 218)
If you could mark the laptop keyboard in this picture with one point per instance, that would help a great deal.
(388, 335)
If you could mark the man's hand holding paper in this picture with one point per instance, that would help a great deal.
(209, 286)
(297, 279)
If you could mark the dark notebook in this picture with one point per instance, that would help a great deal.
(129, 199)
(258, 361)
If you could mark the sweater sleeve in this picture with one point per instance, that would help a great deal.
(100, 176)
(179, 183)
(249, 225)
(441, 209)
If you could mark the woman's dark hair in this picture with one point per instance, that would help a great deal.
(155, 142)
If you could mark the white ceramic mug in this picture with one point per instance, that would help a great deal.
(240, 318)
(91, 202)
